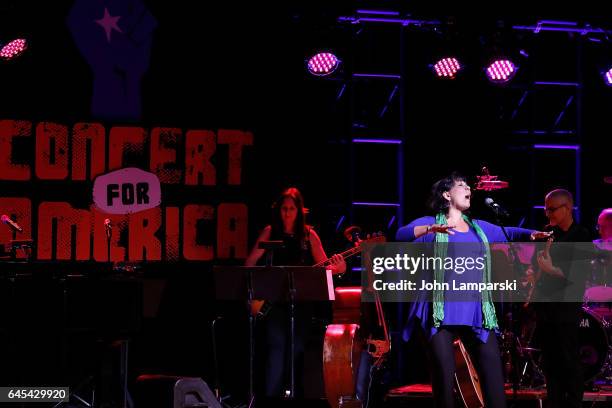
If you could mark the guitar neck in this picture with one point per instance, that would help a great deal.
(346, 254)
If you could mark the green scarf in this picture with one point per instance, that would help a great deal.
(440, 250)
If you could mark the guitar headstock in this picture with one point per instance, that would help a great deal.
(377, 237)
(354, 235)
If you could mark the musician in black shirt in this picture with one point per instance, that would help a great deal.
(301, 247)
(557, 319)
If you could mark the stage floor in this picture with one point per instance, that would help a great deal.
(416, 395)
(419, 395)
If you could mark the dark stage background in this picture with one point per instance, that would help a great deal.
(242, 66)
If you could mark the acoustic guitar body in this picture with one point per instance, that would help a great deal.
(341, 355)
(466, 378)
(342, 349)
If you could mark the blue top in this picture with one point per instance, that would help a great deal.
(466, 313)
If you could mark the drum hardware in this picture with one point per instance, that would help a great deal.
(595, 344)
(595, 348)
(606, 372)
(594, 336)
(531, 375)
(520, 359)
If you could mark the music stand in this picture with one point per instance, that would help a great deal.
(270, 247)
(274, 284)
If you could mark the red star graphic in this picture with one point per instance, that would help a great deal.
(109, 23)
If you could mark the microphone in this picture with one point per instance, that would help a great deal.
(497, 209)
(7, 220)
(108, 227)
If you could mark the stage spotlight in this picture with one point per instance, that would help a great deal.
(501, 71)
(323, 64)
(447, 68)
(608, 77)
(13, 49)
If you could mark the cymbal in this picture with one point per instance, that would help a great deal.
(490, 183)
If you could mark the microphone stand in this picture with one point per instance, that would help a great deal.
(292, 292)
(13, 246)
(251, 338)
(269, 247)
(109, 235)
(517, 268)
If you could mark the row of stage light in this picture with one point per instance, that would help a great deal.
(499, 71)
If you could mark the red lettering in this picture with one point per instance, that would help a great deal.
(143, 245)
(191, 249)
(172, 234)
(163, 154)
(232, 223)
(236, 139)
(51, 159)
(200, 145)
(10, 129)
(124, 140)
(94, 133)
(66, 217)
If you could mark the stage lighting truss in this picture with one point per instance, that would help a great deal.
(499, 71)
(13, 49)
(589, 32)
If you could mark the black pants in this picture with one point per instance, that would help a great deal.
(561, 363)
(487, 360)
(277, 348)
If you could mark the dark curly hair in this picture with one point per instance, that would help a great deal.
(437, 203)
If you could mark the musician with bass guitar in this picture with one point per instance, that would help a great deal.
(301, 246)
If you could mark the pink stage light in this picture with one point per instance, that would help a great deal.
(501, 70)
(447, 68)
(608, 77)
(13, 49)
(323, 63)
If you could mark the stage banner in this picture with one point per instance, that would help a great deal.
(157, 194)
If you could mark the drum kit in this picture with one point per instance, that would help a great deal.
(520, 343)
(521, 352)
